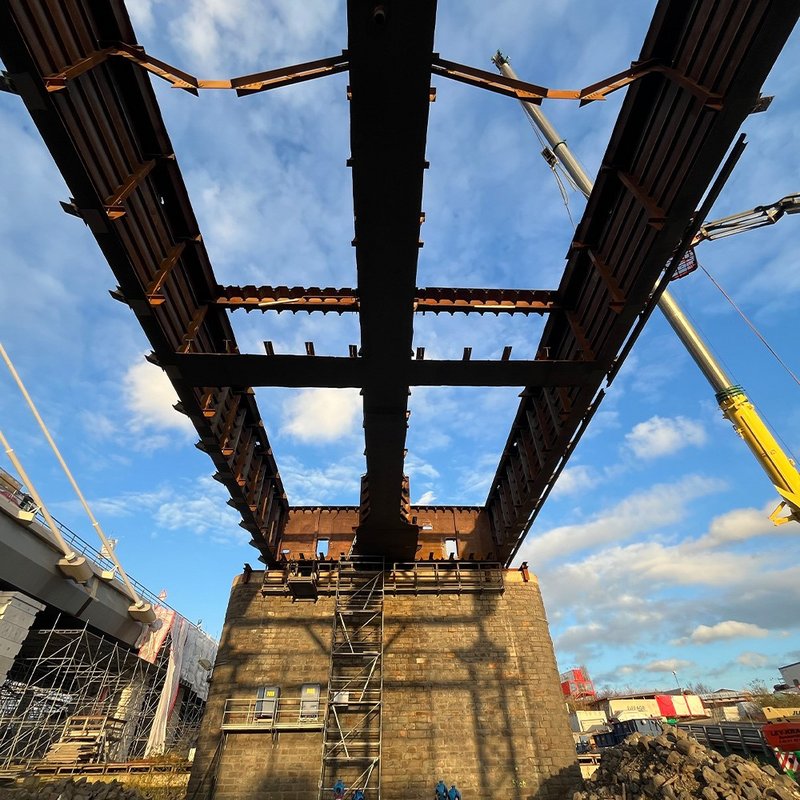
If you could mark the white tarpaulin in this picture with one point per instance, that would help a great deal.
(158, 731)
(199, 647)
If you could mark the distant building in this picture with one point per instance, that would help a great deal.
(791, 674)
(725, 697)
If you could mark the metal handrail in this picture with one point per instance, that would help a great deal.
(80, 545)
(403, 576)
(246, 713)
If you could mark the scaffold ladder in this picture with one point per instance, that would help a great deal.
(351, 745)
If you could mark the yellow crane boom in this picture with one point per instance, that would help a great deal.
(732, 400)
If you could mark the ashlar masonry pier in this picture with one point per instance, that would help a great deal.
(414, 672)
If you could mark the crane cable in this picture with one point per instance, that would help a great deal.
(773, 428)
(751, 326)
(559, 173)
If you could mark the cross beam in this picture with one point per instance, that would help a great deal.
(198, 369)
(434, 300)
(390, 95)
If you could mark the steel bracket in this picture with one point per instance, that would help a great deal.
(193, 329)
(710, 99)
(618, 299)
(153, 291)
(656, 216)
(59, 80)
(587, 354)
(113, 204)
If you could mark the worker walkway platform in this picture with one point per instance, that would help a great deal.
(308, 579)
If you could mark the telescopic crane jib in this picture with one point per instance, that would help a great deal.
(732, 400)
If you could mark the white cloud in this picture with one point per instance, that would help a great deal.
(425, 499)
(751, 659)
(739, 525)
(662, 436)
(656, 588)
(215, 33)
(142, 15)
(730, 629)
(577, 637)
(574, 480)
(418, 468)
(149, 396)
(202, 510)
(129, 503)
(98, 425)
(666, 665)
(648, 510)
(338, 483)
(321, 415)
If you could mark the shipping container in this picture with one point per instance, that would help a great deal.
(623, 729)
(585, 721)
(630, 709)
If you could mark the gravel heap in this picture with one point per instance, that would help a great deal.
(70, 789)
(675, 766)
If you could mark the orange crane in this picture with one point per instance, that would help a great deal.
(731, 397)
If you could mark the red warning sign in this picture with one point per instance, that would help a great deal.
(783, 735)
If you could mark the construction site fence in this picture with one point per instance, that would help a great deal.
(743, 738)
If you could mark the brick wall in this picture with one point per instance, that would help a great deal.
(471, 695)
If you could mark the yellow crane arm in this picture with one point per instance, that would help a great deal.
(781, 469)
(731, 398)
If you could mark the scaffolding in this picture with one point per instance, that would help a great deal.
(351, 740)
(76, 697)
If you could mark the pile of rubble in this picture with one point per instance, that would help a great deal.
(70, 789)
(675, 766)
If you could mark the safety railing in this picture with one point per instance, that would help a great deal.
(445, 576)
(19, 497)
(411, 577)
(271, 715)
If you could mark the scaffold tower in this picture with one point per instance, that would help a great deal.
(351, 748)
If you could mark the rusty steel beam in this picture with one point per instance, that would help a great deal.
(296, 73)
(434, 300)
(179, 79)
(674, 128)
(530, 92)
(390, 57)
(203, 370)
(138, 210)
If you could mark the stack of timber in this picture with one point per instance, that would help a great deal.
(85, 740)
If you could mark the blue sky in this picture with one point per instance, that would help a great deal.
(654, 551)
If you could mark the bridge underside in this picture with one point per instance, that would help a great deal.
(83, 78)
